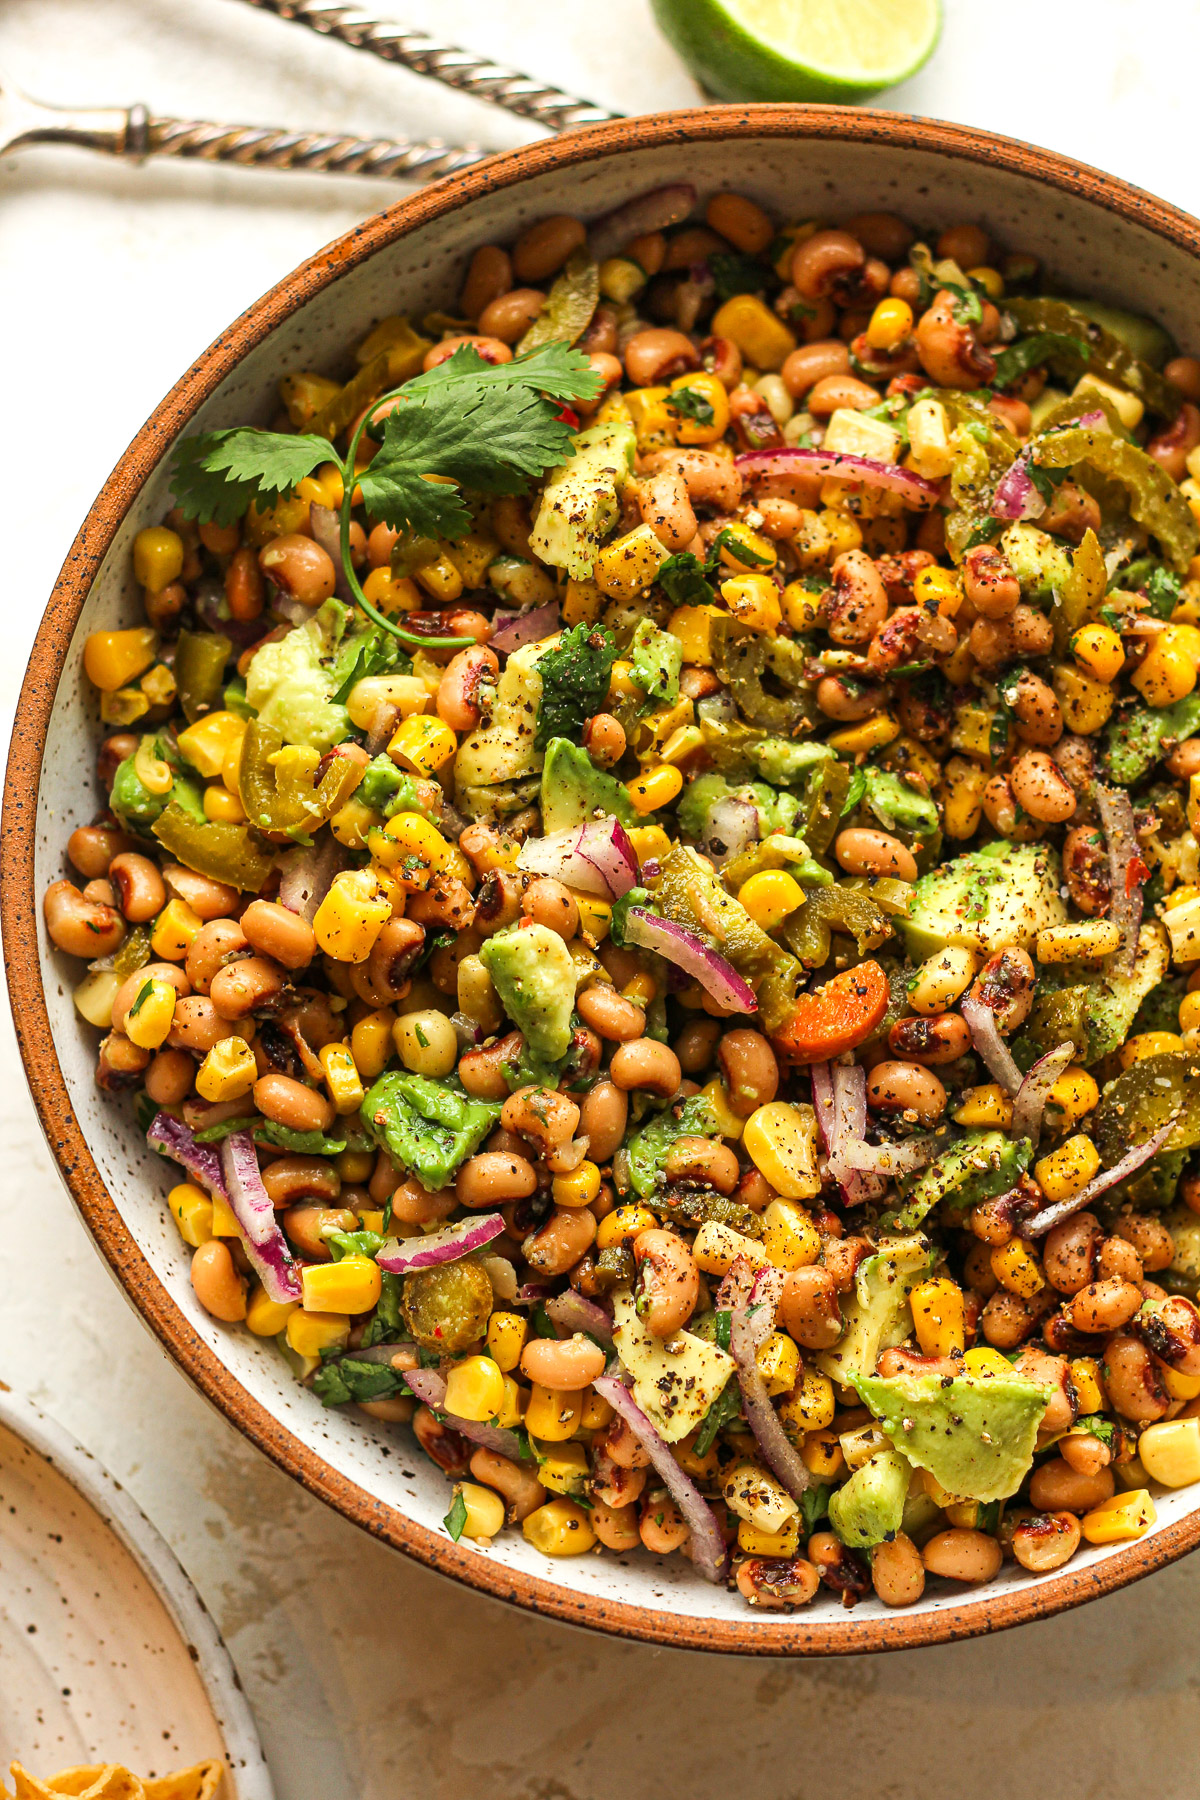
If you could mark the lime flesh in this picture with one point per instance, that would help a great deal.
(800, 49)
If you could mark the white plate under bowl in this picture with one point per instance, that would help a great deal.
(106, 1651)
(1095, 234)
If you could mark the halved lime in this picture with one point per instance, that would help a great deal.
(800, 49)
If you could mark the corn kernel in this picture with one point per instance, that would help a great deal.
(265, 1317)
(350, 1286)
(224, 1225)
(1189, 1012)
(778, 1362)
(391, 593)
(305, 394)
(1182, 920)
(1122, 1517)
(1098, 651)
(988, 1106)
(371, 1042)
(1180, 1387)
(782, 1142)
(341, 1077)
(112, 659)
(938, 587)
(889, 324)
(929, 439)
(754, 602)
(681, 744)
(872, 734)
(352, 915)
(560, 1528)
(326, 487)
(227, 1072)
(627, 567)
(1086, 703)
(716, 1248)
(512, 1407)
(308, 1333)
(693, 625)
(711, 390)
(938, 1317)
(770, 897)
(422, 744)
(1083, 940)
(622, 1224)
(264, 523)
(729, 1124)
(763, 339)
(597, 1412)
(552, 1413)
(758, 551)
(157, 557)
(789, 1237)
(506, 1335)
(1166, 676)
(192, 1210)
(563, 1468)
(656, 787)
(579, 1188)
(440, 579)
(860, 1445)
(484, 1510)
(174, 931)
(1073, 1096)
(207, 743)
(151, 1014)
(962, 797)
(650, 843)
(1017, 1269)
(1067, 1169)
(990, 280)
(1128, 407)
(1148, 1043)
(653, 421)
(642, 989)
(800, 606)
(820, 1452)
(222, 807)
(474, 1388)
(1089, 1389)
(984, 1362)
(784, 1542)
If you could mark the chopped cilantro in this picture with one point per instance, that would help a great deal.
(682, 580)
(575, 677)
(456, 1519)
(723, 1411)
(691, 403)
(855, 792)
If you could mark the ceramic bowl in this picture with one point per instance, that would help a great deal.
(107, 1653)
(1096, 235)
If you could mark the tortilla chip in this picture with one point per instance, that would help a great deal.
(200, 1782)
(109, 1781)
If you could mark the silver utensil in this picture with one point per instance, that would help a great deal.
(462, 69)
(134, 132)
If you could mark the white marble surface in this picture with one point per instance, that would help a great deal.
(369, 1676)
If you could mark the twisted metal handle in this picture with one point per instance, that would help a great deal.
(471, 74)
(264, 147)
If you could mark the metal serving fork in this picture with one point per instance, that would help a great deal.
(133, 132)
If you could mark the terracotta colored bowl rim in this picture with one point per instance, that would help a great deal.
(19, 903)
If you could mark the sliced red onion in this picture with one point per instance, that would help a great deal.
(885, 1159)
(750, 1325)
(201, 1161)
(824, 1105)
(912, 487)
(306, 874)
(688, 951)
(731, 826)
(531, 1293)
(710, 1555)
(296, 612)
(850, 1095)
(386, 719)
(1099, 1184)
(429, 1386)
(400, 1255)
(1116, 816)
(990, 1047)
(1034, 1091)
(250, 1204)
(326, 528)
(512, 629)
(574, 1312)
(654, 211)
(596, 857)
(1016, 497)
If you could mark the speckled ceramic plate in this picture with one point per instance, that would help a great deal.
(106, 1651)
(1095, 234)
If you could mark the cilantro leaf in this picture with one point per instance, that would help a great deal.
(724, 1409)
(681, 579)
(575, 677)
(1030, 352)
(690, 403)
(486, 427)
(456, 1519)
(374, 653)
(855, 792)
(1162, 590)
(218, 473)
(968, 308)
(355, 1378)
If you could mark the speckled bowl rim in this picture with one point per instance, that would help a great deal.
(797, 1635)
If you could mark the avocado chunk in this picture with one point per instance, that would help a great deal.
(579, 503)
(868, 1509)
(784, 762)
(975, 1436)
(574, 790)
(1097, 1015)
(535, 979)
(877, 1316)
(989, 899)
(985, 1164)
(290, 682)
(501, 757)
(674, 1387)
(1038, 561)
(1134, 742)
(895, 803)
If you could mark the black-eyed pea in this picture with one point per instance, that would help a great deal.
(909, 1089)
(1046, 1541)
(218, 1286)
(647, 1066)
(961, 1554)
(864, 851)
(668, 1283)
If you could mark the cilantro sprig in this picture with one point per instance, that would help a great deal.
(466, 424)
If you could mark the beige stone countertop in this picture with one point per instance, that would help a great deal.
(369, 1676)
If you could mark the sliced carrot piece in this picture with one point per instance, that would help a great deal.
(836, 1017)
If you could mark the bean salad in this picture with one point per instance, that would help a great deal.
(647, 880)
